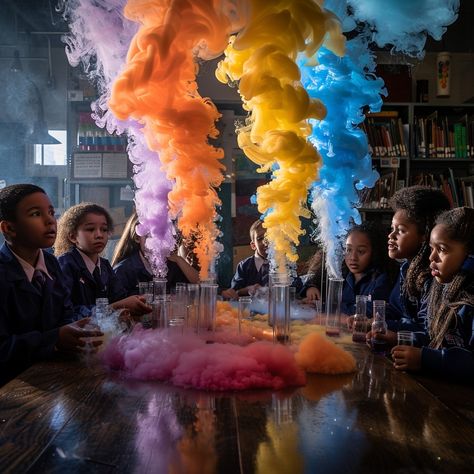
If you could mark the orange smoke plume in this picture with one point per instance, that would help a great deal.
(158, 89)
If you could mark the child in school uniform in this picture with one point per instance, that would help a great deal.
(252, 272)
(131, 265)
(366, 267)
(83, 233)
(35, 310)
(416, 209)
(450, 304)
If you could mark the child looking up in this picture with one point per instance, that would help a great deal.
(35, 311)
(366, 268)
(131, 265)
(450, 303)
(83, 233)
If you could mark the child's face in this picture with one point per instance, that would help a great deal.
(35, 225)
(259, 242)
(91, 235)
(447, 255)
(358, 252)
(404, 239)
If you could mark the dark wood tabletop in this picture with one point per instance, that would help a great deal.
(66, 416)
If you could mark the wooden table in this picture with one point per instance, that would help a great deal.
(66, 417)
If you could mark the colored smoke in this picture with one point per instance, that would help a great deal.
(262, 58)
(187, 361)
(99, 40)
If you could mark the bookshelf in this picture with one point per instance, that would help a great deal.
(98, 168)
(413, 143)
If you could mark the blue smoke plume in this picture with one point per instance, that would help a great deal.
(349, 85)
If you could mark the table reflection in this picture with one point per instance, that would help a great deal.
(55, 419)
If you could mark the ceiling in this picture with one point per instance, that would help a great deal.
(22, 20)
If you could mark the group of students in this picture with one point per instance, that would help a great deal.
(45, 302)
(430, 294)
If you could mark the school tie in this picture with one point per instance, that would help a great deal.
(38, 280)
(264, 272)
(98, 282)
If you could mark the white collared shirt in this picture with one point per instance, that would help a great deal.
(29, 269)
(259, 261)
(89, 263)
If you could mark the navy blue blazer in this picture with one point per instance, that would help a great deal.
(374, 284)
(82, 286)
(456, 358)
(246, 274)
(29, 320)
(131, 270)
(407, 313)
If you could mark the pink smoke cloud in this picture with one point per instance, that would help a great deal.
(187, 361)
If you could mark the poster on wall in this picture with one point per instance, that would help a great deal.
(87, 165)
(115, 165)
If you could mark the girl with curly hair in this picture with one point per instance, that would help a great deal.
(83, 233)
(450, 302)
(415, 211)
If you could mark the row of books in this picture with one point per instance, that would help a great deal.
(458, 190)
(378, 196)
(387, 134)
(439, 137)
(435, 136)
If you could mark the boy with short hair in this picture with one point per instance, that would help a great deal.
(252, 272)
(35, 311)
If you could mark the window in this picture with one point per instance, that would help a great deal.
(52, 154)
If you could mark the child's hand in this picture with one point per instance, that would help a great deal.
(389, 337)
(312, 294)
(126, 319)
(71, 337)
(135, 304)
(229, 294)
(406, 358)
(252, 289)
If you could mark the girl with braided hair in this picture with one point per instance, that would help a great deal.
(415, 211)
(450, 302)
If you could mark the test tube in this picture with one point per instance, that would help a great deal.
(333, 305)
(244, 312)
(159, 287)
(207, 307)
(281, 313)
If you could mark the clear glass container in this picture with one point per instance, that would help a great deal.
(193, 294)
(280, 315)
(333, 307)
(274, 278)
(379, 327)
(360, 323)
(160, 314)
(207, 308)
(244, 314)
(159, 287)
(145, 288)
